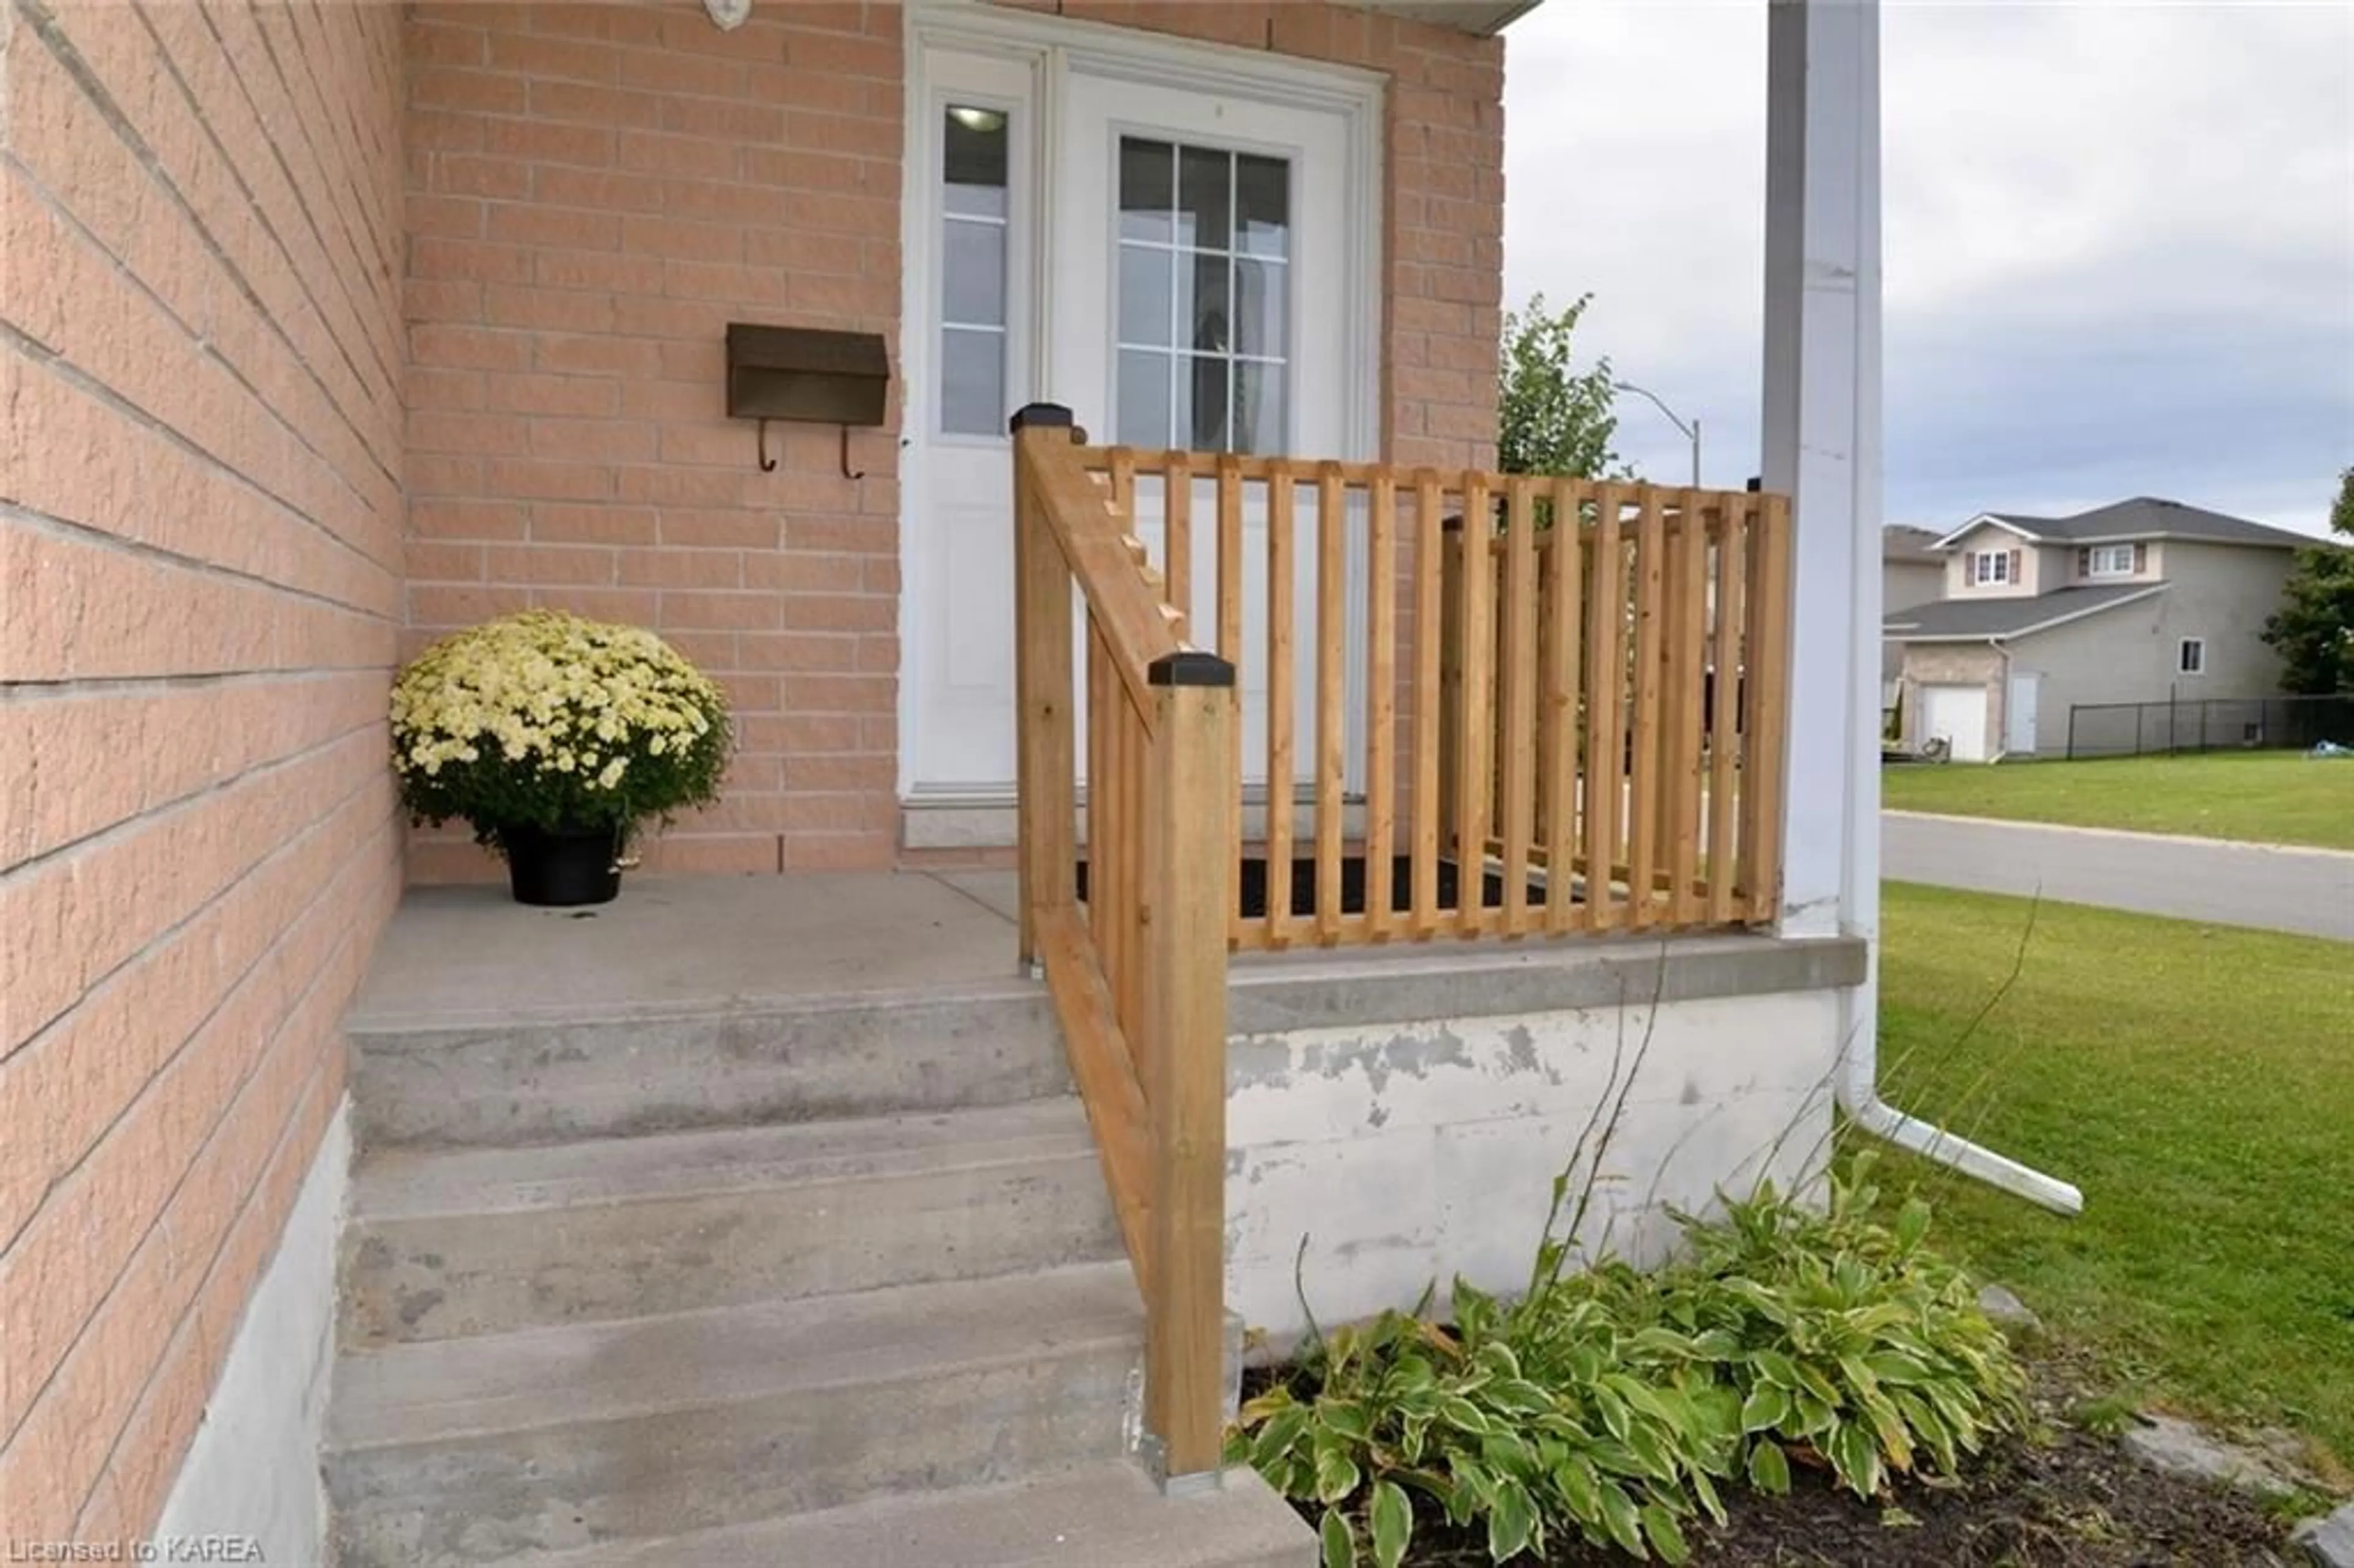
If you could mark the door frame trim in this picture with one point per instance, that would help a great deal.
(1054, 48)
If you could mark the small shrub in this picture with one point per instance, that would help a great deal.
(541, 720)
(1856, 1344)
(1614, 1404)
(1526, 1419)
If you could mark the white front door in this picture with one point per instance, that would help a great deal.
(1191, 228)
(1142, 251)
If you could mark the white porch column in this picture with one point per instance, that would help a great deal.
(1822, 447)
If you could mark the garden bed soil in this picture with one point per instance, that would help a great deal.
(2075, 1500)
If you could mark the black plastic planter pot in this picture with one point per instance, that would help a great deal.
(560, 870)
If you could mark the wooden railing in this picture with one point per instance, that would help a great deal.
(1521, 707)
(1583, 740)
(1139, 982)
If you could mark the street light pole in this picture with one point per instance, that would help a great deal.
(1690, 431)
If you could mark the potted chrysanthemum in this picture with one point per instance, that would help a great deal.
(555, 737)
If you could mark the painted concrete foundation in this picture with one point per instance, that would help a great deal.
(1413, 1151)
(252, 1472)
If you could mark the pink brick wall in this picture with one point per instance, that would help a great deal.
(200, 552)
(595, 190)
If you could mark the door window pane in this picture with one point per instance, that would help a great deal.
(1204, 197)
(1207, 324)
(1145, 308)
(975, 145)
(1204, 268)
(972, 382)
(1148, 189)
(1261, 327)
(1202, 405)
(1263, 205)
(976, 165)
(1143, 399)
(1262, 414)
(973, 274)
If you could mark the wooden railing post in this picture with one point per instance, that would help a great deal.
(1041, 618)
(1190, 833)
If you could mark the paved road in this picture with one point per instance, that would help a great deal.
(2308, 891)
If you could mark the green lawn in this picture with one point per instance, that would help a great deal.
(2198, 1084)
(2266, 797)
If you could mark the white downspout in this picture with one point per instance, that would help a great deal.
(1859, 1089)
(1822, 447)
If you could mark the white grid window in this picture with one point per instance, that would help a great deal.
(2110, 561)
(1990, 567)
(1203, 309)
(974, 157)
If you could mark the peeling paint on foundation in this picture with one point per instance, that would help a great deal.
(1413, 1152)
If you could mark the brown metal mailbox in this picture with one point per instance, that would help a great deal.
(806, 374)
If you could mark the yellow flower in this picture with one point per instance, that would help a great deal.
(552, 694)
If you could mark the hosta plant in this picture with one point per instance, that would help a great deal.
(544, 720)
(1856, 1345)
(1526, 1422)
(1616, 1405)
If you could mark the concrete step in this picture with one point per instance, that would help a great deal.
(448, 1243)
(466, 1451)
(494, 1081)
(1099, 1515)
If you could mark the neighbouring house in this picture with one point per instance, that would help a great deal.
(1912, 572)
(856, 1167)
(2145, 600)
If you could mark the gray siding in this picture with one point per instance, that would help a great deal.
(1903, 585)
(2222, 593)
(2219, 593)
(2113, 657)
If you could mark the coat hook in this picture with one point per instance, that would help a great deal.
(845, 456)
(768, 464)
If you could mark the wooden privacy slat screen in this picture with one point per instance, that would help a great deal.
(1570, 740)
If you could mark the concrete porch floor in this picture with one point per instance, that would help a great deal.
(455, 955)
(467, 956)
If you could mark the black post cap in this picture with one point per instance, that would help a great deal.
(1190, 667)
(1045, 416)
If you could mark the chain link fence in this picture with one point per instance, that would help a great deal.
(2222, 724)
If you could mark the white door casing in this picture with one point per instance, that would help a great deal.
(1069, 93)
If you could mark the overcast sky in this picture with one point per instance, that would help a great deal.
(2119, 241)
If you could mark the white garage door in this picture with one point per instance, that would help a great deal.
(1958, 714)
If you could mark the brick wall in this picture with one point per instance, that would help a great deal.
(200, 540)
(1953, 665)
(595, 190)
